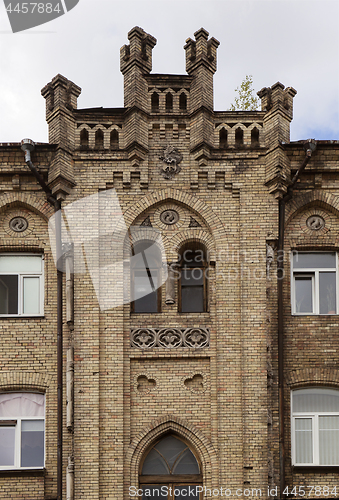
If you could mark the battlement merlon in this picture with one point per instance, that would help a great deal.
(138, 52)
(277, 98)
(201, 51)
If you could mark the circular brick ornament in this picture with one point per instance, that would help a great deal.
(315, 222)
(169, 217)
(18, 224)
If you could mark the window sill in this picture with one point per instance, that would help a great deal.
(23, 472)
(313, 468)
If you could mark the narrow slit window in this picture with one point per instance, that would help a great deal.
(99, 139)
(239, 136)
(223, 138)
(84, 138)
(169, 102)
(155, 102)
(183, 101)
(114, 139)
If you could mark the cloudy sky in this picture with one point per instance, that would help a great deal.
(295, 42)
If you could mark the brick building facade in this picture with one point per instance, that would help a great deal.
(193, 385)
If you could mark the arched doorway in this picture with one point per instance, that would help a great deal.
(170, 470)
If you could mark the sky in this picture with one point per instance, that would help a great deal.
(295, 42)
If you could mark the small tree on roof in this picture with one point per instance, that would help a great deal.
(246, 100)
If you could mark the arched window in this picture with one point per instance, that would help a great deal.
(239, 136)
(99, 138)
(255, 137)
(223, 138)
(146, 277)
(84, 138)
(155, 102)
(169, 102)
(114, 139)
(183, 101)
(170, 471)
(193, 274)
(315, 426)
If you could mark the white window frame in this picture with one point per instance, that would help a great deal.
(314, 416)
(23, 275)
(314, 274)
(17, 442)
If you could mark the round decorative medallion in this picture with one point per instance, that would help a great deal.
(18, 224)
(169, 217)
(315, 222)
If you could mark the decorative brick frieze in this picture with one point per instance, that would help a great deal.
(170, 338)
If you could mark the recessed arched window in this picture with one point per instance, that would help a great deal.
(239, 136)
(114, 139)
(99, 138)
(192, 281)
(223, 138)
(155, 102)
(183, 101)
(146, 277)
(169, 102)
(255, 137)
(170, 471)
(84, 138)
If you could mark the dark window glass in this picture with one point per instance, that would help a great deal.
(8, 294)
(169, 102)
(155, 102)
(146, 269)
(183, 101)
(193, 280)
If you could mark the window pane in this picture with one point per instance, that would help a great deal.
(193, 258)
(303, 294)
(314, 260)
(303, 441)
(186, 464)
(192, 299)
(193, 277)
(329, 440)
(31, 292)
(8, 294)
(20, 264)
(155, 492)
(315, 400)
(170, 448)
(32, 443)
(184, 492)
(327, 293)
(154, 464)
(7, 439)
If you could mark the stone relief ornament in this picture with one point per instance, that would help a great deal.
(269, 259)
(18, 224)
(169, 217)
(315, 222)
(170, 338)
(171, 159)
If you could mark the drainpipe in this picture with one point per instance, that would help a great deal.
(309, 147)
(27, 146)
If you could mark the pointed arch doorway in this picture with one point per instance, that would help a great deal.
(170, 471)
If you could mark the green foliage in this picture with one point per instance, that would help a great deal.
(245, 100)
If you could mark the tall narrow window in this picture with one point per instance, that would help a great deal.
(314, 283)
(183, 101)
(146, 277)
(255, 137)
(22, 430)
(193, 271)
(99, 139)
(155, 102)
(315, 426)
(84, 138)
(239, 137)
(223, 138)
(21, 285)
(170, 471)
(169, 102)
(114, 139)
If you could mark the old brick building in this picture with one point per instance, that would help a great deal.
(200, 379)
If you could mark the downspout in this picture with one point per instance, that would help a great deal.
(309, 146)
(27, 146)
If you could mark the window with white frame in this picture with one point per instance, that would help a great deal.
(314, 283)
(21, 284)
(22, 430)
(315, 426)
